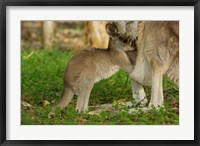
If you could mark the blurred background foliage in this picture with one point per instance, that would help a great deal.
(72, 35)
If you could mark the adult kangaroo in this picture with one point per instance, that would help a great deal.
(157, 54)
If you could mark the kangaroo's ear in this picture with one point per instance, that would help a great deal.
(111, 30)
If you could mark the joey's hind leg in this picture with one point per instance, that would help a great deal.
(79, 102)
(86, 100)
(85, 86)
(82, 100)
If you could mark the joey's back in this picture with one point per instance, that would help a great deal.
(98, 64)
(95, 63)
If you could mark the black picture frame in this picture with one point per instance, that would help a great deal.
(5, 3)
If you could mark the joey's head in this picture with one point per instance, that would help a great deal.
(115, 42)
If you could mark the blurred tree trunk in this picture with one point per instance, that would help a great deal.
(48, 34)
(96, 34)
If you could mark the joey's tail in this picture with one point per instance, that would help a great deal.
(67, 97)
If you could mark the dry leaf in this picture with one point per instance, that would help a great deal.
(26, 104)
(51, 115)
(119, 101)
(45, 103)
(33, 117)
(82, 121)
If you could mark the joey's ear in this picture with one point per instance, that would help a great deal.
(111, 30)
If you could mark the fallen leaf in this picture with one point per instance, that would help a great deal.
(33, 117)
(119, 101)
(51, 115)
(82, 121)
(45, 103)
(26, 104)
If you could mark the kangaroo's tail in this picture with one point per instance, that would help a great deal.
(65, 100)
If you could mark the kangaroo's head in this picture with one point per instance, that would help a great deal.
(115, 42)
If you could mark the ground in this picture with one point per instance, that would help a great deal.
(42, 74)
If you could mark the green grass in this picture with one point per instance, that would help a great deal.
(42, 82)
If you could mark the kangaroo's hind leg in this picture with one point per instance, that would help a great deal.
(85, 86)
(82, 100)
(138, 92)
(79, 102)
(156, 88)
(86, 99)
(160, 91)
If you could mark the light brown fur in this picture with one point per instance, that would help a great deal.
(92, 65)
(157, 54)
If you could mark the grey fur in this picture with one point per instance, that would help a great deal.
(92, 65)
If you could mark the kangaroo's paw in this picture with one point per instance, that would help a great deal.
(141, 102)
(157, 106)
(140, 98)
